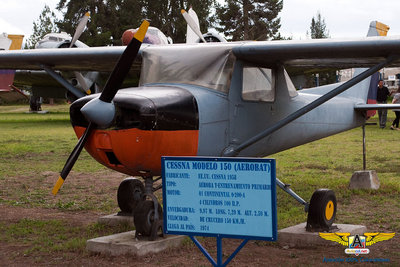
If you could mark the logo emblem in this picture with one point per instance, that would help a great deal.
(356, 244)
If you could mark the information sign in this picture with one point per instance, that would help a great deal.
(224, 197)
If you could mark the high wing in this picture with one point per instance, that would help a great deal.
(337, 53)
(69, 59)
(321, 53)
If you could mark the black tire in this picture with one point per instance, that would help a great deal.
(143, 217)
(130, 192)
(322, 211)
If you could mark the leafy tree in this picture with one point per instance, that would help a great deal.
(318, 28)
(249, 19)
(109, 19)
(45, 24)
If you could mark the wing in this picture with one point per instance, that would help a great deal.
(341, 238)
(373, 238)
(321, 53)
(82, 59)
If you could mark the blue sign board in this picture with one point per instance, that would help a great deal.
(224, 197)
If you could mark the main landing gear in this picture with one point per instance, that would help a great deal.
(138, 199)
(321, 209)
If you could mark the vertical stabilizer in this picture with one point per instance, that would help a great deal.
(376, 28)
(8, 42)
(365, 90)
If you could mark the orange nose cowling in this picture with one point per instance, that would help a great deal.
(132, 151)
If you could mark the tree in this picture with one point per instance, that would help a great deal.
(46, 23)
(109, 19)
(249, 19)
(318, 28)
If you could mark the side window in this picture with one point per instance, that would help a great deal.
(258, 84)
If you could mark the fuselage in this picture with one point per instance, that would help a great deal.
(225, 106)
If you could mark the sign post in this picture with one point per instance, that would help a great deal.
(220, 197)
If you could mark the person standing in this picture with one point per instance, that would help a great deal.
(396, 100)
(381, 98)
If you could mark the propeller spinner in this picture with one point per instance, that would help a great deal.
(100, 111)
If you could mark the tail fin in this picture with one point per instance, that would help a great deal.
(9, 93)
(375, 29)
(9, 42)
(366, 90)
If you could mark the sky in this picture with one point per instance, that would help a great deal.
(343, 18)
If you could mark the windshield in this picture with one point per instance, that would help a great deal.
(207, 65)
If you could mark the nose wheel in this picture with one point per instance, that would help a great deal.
(130, 193)
(138, 199)
(148, 220)
(322, 211)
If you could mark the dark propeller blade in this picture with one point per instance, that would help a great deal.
(72, 158)
(97, 111)
(123, 65)
(101, 110)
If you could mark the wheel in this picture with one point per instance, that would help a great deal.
(130, 192)
(322, 211)
(143, 218)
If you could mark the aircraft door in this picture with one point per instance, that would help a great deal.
(252, 98)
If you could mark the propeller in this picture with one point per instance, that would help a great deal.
(78, 32)
(100, 111)
(192, 24)
(80, 28)
(82, 82)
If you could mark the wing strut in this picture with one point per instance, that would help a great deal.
(62, 81)
(232, 150)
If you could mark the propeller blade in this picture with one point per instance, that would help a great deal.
(82, 82)
(192, 24)
(124, 64)
(98, 108)
(72, 158)
(101, 111)
(80, 28)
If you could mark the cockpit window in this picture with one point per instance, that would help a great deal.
(258, 84)
(206, 65)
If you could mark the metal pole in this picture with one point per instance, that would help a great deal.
(219, 251)
(364, 150)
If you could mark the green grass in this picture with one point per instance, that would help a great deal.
(33, 143)
(53, 235)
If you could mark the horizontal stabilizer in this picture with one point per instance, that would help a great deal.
(376, 106)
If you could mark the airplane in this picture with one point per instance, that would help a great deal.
(211, 99)
(41, 85)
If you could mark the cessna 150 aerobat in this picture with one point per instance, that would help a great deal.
(211, 99)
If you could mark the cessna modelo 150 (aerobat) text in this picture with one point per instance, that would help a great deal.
(211, 99)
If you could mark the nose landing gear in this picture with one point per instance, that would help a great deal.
(139, 200)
